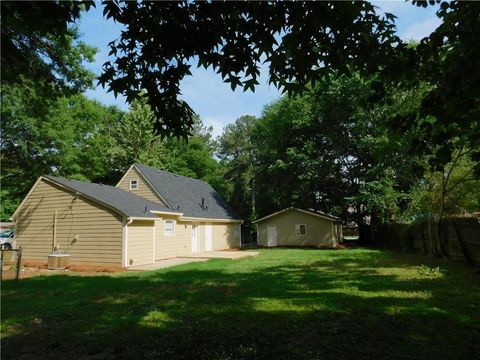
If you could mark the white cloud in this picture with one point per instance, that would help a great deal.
(217, 124)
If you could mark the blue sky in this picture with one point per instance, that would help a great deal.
(214, 100)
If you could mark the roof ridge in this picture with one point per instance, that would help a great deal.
(51, 177)
(172, 173)
(194, 197)
(72, 183)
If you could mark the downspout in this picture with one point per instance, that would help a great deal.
(125, 240)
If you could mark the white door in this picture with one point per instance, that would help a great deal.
(195, 247)
(272, 235)
(208, 238)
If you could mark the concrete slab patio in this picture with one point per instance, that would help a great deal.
(224, 254)
(161, 264)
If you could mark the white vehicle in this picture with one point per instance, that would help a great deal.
(6, 239)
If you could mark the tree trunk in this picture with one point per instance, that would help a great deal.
(365, 233)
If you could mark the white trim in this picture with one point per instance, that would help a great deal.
(142, 218)
(276, 235)
(151, 186)
(146, 180)
(26, 197)
(194, 219)
(126, 246)
(154, 243)
(124, 175)
(197, 239)
(334, 241)
(71, 190)
(165, 227)
(165, 213)
(298, 232)
(125, 242)
(136, 184)
(301, 210)
(240, 239)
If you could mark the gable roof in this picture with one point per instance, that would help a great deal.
(122, 201)
(185, 195)
(310, 212)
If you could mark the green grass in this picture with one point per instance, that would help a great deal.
(283, 304)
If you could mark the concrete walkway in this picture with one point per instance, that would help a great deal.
(161, 264)
(223, 254)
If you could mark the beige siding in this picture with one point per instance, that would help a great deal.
(319, 230)
(87, 231)
(140, 242)
(172, 246)
(225, 236)
(143, 190)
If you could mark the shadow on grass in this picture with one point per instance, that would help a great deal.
(285, 304)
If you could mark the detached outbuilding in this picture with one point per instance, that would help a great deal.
(297, 227)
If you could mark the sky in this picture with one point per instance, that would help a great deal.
(205, 92)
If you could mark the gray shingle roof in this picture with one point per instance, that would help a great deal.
(123, 201)
(185, 194)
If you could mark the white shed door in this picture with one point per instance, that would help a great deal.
(272, 235)
(195, 247)
(208, 238)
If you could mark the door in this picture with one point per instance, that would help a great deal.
(195, 247)
(208, 237)
(272, 235)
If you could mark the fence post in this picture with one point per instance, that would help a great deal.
(19, 262)
(1, 266)
(424, 241)
(462, 245)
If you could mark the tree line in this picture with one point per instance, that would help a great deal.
(328, 149)
(371, 128)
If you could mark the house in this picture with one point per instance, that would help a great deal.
(105, 225)
(298, 227)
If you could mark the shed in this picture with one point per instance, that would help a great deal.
(298, 227)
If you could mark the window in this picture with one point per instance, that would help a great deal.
(133, 184)
(169, 227)
(301, 229)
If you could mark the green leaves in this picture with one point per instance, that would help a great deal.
(43, 135)
(39, 43)
(299, 41)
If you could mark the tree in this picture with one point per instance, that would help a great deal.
(236, 156)
(161, 41)
(40, 44)
(49, 136)
(78, 138)
(454, 190)
(448, 60)
(132, 139)
(300, 42)
(331, 150)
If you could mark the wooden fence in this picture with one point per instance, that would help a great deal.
(456, 238)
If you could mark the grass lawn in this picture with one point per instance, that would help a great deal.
(283, 304)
